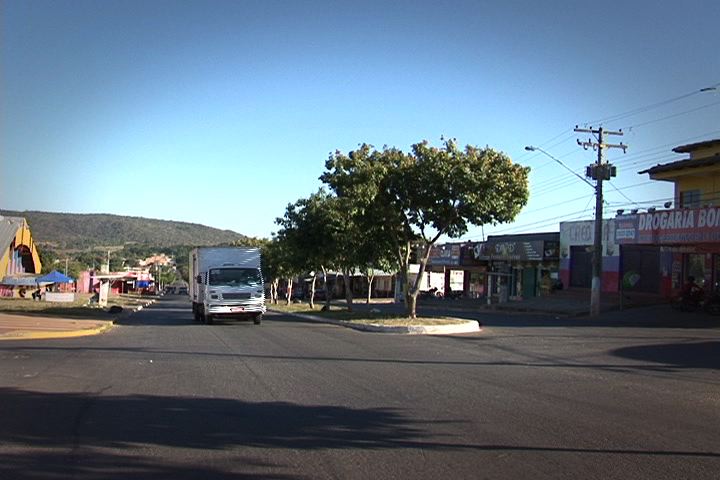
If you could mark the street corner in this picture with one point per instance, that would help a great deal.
(41, 328)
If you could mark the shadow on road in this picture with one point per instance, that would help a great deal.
(71, 434)
(88, 425)
(96, 465)
(683, 355)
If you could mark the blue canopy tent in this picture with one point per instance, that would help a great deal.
(54, 277)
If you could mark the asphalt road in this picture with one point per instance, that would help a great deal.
(529, 397)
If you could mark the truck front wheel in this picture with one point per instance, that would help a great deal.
(208, 320)
(258, 319)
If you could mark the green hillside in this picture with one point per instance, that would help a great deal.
(84, 231)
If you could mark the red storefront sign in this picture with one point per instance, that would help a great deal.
(698, 225)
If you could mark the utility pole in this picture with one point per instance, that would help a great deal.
(598, 171)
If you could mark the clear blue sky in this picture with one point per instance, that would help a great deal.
(223, 112)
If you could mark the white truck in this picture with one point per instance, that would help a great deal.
(226, 282)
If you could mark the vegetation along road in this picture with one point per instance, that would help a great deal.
(163, 397)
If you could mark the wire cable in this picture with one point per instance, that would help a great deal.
(652, 106)
(631, 127)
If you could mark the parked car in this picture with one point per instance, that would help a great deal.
(319, 294)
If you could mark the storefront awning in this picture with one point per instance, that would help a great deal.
(20, 280)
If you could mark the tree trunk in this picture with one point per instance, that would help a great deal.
(325, 287)
(404, 257)
(274, 290)
(288, 290)
(348, 291)
(312, 292)
(411, 305)
(411, 297)
(369, 293)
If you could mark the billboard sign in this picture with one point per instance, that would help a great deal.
(678, 226)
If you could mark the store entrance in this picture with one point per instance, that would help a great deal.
(580, 267)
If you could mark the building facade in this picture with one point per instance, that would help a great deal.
(655, 251)
(505, 267)
(576, 251)
(518, 265)
(18, 255)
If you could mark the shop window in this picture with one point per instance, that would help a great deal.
(695, 267)
(716, 272)
(457, 280)
(477, 284)
(690, 199)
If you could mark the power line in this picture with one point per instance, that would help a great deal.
(672, 116)
(621, 193)
(636, 111)
(532, 149)
(545, 143)
(544, 186)
(641, 157)
(545, 221)
(564, 202)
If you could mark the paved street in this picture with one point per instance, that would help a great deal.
(531, 396)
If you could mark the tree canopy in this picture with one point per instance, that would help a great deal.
(415, 198)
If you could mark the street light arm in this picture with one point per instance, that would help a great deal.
(530, 148)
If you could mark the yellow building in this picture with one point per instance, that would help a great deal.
(696, 178)
(18, 253)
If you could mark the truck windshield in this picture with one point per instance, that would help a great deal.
(235, 277)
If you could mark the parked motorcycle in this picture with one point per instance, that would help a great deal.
(453, 295)
(432, 293)
(697, 302)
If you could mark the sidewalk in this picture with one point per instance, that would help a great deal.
(574, 302)
(21, 327)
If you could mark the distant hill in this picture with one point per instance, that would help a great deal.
(81, 231)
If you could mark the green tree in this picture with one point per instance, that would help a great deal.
(48, 258)
(277, 264)
(254, 242)
(310, 228)
(416, 198)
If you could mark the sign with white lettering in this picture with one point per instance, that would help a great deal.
(699, 225)
(582, 233)
(448, 255)
(509, 250)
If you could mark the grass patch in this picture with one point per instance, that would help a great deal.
(77, 309)
(301, 307)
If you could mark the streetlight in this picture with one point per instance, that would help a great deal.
(531, 148)
(597, 242)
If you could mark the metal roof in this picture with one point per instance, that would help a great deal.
(681, 164)
(691, 147)
(687, 162)
(8, 229)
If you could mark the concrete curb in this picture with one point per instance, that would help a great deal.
(463, 326)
